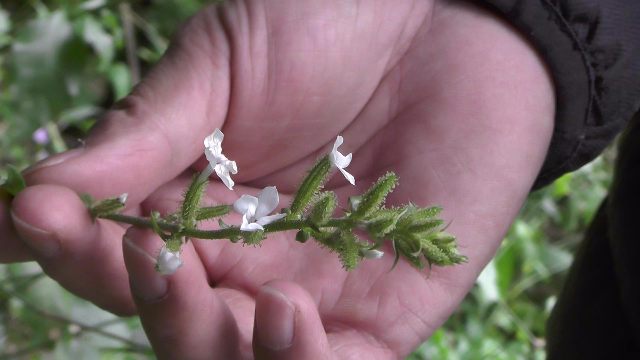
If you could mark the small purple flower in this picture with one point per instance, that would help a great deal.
(41, 136)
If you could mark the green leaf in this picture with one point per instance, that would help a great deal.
(423, 226)
(155, 217)
(311, 184)
(80, 113)
(379, 228)
(324, 206)
(488, 283)
(120, 79)
(375, 196)
(191, 203)
(395, 261)
(93, 4)
(349, 250)
(110, 205)
(5, 22)
(87, 200)
(211, 212)
(506, 263)
(101, 41)
(222, 224)
(562, 186)
(14, 183)
(433, 254)
(252, 237)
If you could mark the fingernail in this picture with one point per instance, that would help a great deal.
(145, 282)
(40, 241)
(275, 319)
(53, 160)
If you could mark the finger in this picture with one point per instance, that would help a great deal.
(13, 249)
(181, 314)
(287, 324)
(157, 131)
(83, 256)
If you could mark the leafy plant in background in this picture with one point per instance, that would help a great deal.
(505, 314)
(65, 61)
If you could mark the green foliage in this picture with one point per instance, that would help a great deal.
(190, 207)
(323, 207)
(63, 63)
(310, 186)
(212, 212)
(504, 316)
(252, 238)
(14, 183)
(375, 196)
(155, 219)
(106, 206)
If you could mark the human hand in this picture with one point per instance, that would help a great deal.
(448, 96)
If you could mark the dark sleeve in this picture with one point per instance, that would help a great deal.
(592, 48)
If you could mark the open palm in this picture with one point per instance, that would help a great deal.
(447, 96)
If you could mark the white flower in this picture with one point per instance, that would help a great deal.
(255, 211)
(340, 161)
(371, 254)
(168, 261)
(217, 161)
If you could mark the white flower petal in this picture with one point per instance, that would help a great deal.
(268, 200)
(211, 157)
(215, 139)
(217, 160)
(250, 226)
(372, 254)
(246, 205)
(265, 220)
(337, 144)
(168, 261)
(218, 136)
(223, 174)
(340, 161)
(231, 166)
(349, 177)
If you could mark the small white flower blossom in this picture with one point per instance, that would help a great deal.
(371, 254)
(217, 161)
(255, 210)
(123, 198)
(340, 161)
(169, 261)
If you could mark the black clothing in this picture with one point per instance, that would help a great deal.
(592, 48)
(598, 313)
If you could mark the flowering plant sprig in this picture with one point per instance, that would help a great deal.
(417, 234)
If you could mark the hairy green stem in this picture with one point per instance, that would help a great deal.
(282, 225)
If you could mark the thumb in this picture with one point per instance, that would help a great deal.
(157, 131)
(287, 324)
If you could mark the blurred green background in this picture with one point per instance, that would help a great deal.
(65, 61)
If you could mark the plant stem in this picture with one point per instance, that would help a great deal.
(56, 138)
(281, 225)
(131, 45)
